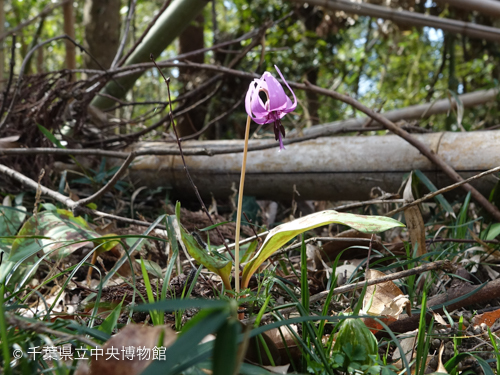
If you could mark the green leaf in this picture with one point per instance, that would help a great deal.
(226, 348)
(152, 267)
(109, 324)
(156, 316)
(11, 219)
(432, 188)
(50, 136)
(493, 232)
(285, 232)
(56, 232)
(62, 231)
(215, 263)
(186, 346)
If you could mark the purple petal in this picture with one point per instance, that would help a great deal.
(277, 96)
(248, 98)
(294, 105)
(254, 106)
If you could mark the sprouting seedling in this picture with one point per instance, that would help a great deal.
(276, 105)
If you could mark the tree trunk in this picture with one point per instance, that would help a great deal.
(168, 26)
(69, 30)
(102, 32)
(192, 39)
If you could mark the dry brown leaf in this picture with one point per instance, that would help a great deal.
(255, 346)
(277, 340)
(438, 318)
(384, 299)
(10, 142)
(488, 318)
(399, 364)
(414, 221)
(135, 336)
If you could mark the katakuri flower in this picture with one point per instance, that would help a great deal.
(277, 105)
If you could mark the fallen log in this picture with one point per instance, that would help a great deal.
(413, 112)
(335, 168)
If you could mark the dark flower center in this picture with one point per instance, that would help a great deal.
(263, 96)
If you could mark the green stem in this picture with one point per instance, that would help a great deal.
(238, 212)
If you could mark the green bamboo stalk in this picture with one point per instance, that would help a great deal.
(169, 26)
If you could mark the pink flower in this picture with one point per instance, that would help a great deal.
(277, 105)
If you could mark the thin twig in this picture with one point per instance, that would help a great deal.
(350, 206)
(48, 9)
(69, 203)
(441, 191)
(150, 25)
(125, 34)
(204, 208)
(213, 121)
(164, 120)
(85, 201)
(26, 61)
(422, 147)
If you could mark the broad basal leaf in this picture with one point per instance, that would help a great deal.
(213, 262)
(285, 232)
(56, 231)
(61, 230)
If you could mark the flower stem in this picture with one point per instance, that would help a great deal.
(238, 212)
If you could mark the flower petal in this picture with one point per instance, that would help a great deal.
(277, 96)
(294, 105)
(248, 99)
(254, 106)
(258, 107)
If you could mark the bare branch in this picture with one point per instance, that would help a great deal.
(83, 202)
(423, 148)
(125, 34)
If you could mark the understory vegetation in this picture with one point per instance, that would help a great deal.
(249, 187)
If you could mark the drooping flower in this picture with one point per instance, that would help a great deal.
(277, 105)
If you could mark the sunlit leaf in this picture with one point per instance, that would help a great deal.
(285, 232)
